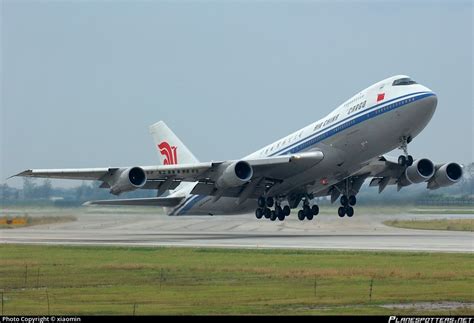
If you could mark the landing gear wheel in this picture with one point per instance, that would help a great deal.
(279, 213)
(270, 202)
(301, 215)
(273, 215)
(281, 216)
(267, 213)
(350, 211)
(261, 202)
(409, 160)
(352, 200)
(286, 210)
(315, 209)
(258, 213)
(341, 211)
(307, 212)
(344, 200)
(402, 160)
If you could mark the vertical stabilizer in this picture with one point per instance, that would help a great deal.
(171, 149)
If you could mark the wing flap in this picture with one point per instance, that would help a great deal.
(161, 184)
(385, 171)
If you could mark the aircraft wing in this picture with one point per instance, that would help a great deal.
(214, 178)
(77, 173)
(151, 201)
(384, 171)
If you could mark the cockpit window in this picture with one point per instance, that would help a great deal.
(403, 81)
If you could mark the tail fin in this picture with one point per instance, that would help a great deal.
(171, 150)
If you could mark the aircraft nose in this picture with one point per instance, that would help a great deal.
(429, 103)
(430, 97)
(433, 100)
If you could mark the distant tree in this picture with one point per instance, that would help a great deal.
(80, 191)
(46, 189)
(29, 188)
(4, 192)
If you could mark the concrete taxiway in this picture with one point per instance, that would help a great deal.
(106, 226)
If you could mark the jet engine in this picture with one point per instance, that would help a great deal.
(421, 171)
(127, 179)
(447, 174)
(235, 174)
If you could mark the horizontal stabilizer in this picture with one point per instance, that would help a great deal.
(150, 201)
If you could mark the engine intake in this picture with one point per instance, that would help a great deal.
(446, 175)
(137, 176)
(127, 179)
(421, 171)
(235, 174)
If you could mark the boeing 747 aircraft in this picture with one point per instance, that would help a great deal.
(330, 157)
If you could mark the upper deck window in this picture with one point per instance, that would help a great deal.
(403, 81)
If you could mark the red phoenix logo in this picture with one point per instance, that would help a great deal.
(169, 152)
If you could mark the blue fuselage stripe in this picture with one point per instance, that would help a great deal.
(181, 205)
(191, 203)
(340, 122)
(315, 138)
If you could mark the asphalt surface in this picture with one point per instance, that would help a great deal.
(125, 227)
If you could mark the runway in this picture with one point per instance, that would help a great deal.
(130, 228)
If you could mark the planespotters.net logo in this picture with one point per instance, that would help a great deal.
(169, 152)
(396, 319)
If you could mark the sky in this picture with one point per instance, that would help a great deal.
(81, 81)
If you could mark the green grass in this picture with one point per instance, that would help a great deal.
(108, 280)
(443, 210)
(439, 224)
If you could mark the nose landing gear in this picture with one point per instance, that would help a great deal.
(405, 160)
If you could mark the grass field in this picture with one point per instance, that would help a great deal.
(57, 280)
(438, 224)
(443, 210)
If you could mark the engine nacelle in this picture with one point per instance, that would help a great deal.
(421, 171)
(446, 175)
(127, 179)
(235, 174)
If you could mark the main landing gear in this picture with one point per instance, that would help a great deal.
(346, 207)
(307, 211)
(405, 159)
(263, 210)
(347, 189)
(280, 213)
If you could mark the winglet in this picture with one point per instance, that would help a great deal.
(24, 173)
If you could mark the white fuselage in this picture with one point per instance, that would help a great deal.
(369, 124)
